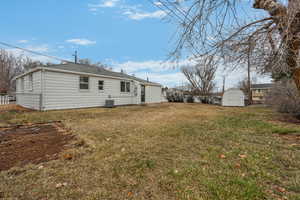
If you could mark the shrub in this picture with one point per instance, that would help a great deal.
(284, 97)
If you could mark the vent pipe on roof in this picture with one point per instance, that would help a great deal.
(75, 57)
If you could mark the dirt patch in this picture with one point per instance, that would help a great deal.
(13, 108)
(291, 139)
(21, 145)
(289, 119)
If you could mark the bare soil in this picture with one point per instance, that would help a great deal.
(291, 139)
(13, 108)
(290, 119)
(37, 143)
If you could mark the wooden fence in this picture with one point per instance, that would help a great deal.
(4, 100)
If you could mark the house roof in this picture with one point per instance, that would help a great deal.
(89, 69)
(261, 86)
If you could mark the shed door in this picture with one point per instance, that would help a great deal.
(143, 94)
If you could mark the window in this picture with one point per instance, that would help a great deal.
(30, 82)
(122, 86)
(84, 83)
(101, 85)
(125, 86)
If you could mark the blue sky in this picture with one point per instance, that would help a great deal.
(127, 34)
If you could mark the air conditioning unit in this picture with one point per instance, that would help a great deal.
(109, 103)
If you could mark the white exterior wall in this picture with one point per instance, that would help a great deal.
(233, 97)
(57, 90)
(138, 97)
(29, 98)
(153, 94)
(61, 91)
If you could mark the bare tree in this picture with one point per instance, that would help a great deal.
(10, 66)
(233, 28)
(201, 76)
(284, 97)
(243, 85)
(246, 88)
(87, 61)
(29, 64)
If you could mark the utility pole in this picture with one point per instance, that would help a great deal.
(75, 57)
(249, 72)
(249, 81)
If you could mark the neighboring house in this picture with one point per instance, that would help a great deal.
(233, 97)
(259, 92)
(70, 85)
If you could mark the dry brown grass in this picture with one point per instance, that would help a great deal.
(163, 151)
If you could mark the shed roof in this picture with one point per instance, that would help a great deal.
(261, 86)
(233, 97)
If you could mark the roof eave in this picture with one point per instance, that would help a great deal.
(83, 73)
(92, 74)
(28, 72)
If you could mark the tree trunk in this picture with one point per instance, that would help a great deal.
(287, 20)
(296, 78)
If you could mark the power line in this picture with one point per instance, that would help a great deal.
(33, 52)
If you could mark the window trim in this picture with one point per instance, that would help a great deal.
(101, 90)
(86, 83)
(125, 86)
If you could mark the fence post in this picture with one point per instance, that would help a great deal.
(4, 100)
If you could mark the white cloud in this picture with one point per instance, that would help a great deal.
(23, 41)
(150, 65)
(157, 3)
(168, 73)
(139, 15)
(164, 72)
(171, 79)
(44, 49)
(133, 12)
(38, 48)
(41, 48)
(103, 4)
(18, 52)
(81, 41)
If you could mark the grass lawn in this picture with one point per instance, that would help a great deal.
(167, 151)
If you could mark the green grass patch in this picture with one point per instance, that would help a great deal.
(168, 151)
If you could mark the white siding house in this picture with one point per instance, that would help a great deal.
(68, 86)
(233, 97)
